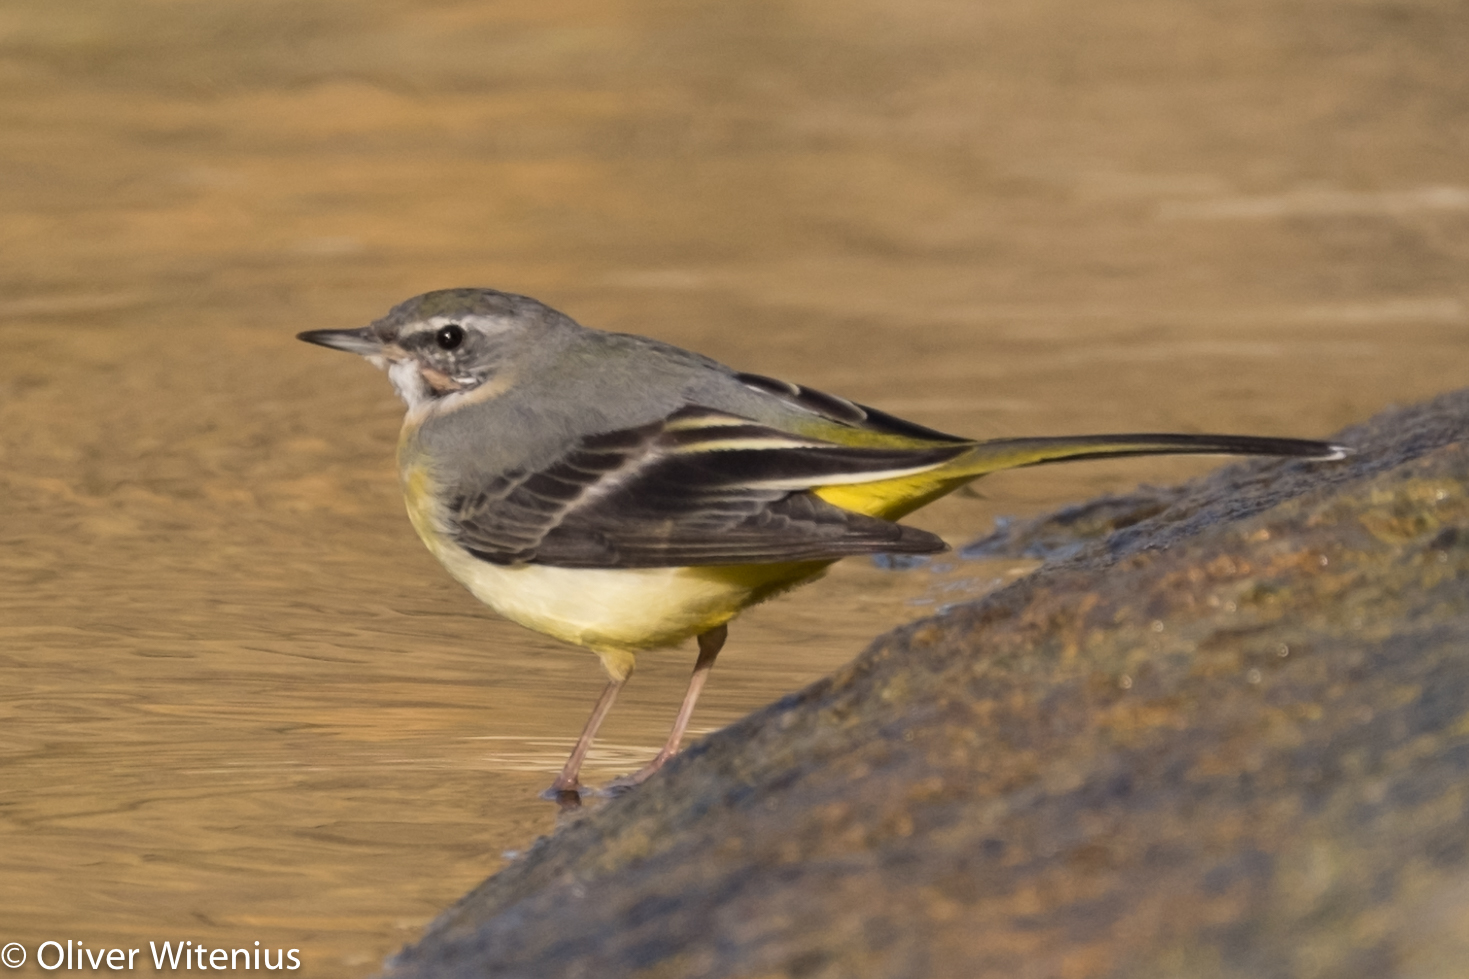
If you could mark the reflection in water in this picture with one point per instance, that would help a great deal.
(515, 754)
(241, 703)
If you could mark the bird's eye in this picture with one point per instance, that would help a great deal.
(449, 336)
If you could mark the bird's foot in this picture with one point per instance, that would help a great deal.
(623, 783)
(566, 796)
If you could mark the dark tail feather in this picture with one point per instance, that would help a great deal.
(1000, 454)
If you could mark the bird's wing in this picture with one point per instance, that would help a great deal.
(846, 422)
(700, 487)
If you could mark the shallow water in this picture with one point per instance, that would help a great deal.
(242, 704)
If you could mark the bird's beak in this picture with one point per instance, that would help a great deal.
(361, 341)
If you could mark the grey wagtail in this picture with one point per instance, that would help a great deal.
(623, 494)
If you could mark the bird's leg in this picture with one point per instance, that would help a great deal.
(567, 783)
(710, 643)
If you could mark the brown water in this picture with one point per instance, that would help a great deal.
(241, 703)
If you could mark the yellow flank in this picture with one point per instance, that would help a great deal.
(418, 496)
(893, 498)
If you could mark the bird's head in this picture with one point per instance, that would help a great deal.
(448, 342)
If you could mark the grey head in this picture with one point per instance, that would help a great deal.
(452, 341)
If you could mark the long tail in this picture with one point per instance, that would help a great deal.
(892, 498)
(997, 454)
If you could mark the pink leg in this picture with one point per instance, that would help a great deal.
(567, 783)
(710, 643)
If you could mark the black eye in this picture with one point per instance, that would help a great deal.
(449, 336)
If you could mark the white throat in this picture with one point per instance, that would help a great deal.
(409, 383)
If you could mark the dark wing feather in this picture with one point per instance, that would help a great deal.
(844, 411)
(700, 488)
(505, 519)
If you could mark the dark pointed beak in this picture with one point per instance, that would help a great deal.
(361, 341)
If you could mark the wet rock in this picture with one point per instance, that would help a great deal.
(1067, 531)
(1229, 740)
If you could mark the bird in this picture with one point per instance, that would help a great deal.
(623, 494)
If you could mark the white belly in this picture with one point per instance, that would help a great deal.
(620, 612)
(632, 609)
